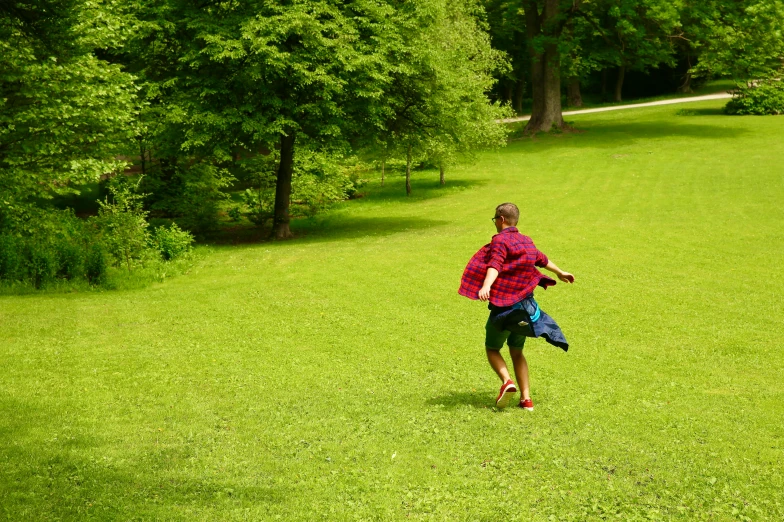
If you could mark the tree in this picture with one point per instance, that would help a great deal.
(544, 20)
(506, 26)
(249, 76)
(628, 35)
(65, 114)
(741, 40)
(437, 98)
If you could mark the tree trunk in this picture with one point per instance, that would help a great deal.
(604, 84)
(441, 168)
(575, 97)
(508, 89)
(408, 171)
(545, 67)
(685, 87)
(519, 93)
(619, 84)
(280, 223)
(383, 166)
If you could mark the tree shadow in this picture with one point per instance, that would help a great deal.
(338, 228)
(422, 188)
(611, 134)
(335, 225)
(653, 130)
(701, 111)
(458, 399)
(67, 476)
(327, 227)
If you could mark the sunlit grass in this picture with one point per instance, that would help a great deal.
(340, 376)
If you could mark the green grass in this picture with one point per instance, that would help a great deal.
(340, 376)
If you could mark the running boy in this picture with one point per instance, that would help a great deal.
(504, 272)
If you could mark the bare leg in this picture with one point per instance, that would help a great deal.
(521, 372)
(496, 360)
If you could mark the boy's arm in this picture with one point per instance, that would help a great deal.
(566, 277)
(484, 292)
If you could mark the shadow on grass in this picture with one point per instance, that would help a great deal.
(457, 399)
(338, 228)
(327, 228)
(656, 129)
(424, 185)
(67, 476)
(612, 133)
(703, 111)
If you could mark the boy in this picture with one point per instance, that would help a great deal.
(504, 273)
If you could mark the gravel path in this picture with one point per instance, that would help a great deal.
(719, 96)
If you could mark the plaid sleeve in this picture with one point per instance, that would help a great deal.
(474, 274)
(497, 253)
(541, 259)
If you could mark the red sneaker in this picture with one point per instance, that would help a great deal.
(505, 395)
(527, 404)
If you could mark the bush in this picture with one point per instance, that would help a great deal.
(123, 223)
(50, 246)
(319, 180)
(11, 259)
(41, 261)
(190, 191)
(172, 242)
(757, 98)
(96, 264)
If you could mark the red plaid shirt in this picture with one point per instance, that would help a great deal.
(515, 257)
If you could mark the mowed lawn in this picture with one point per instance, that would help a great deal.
(340, 376)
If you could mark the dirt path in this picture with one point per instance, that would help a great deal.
(719, 96)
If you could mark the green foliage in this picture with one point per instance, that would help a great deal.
(10, 258)
(742, 40)
(760, 98)
(188, 190)
(64, 113)
(319, 180)
(96, 264)
(172, 242)
(437, 102)
(123, 223)
(54, 246)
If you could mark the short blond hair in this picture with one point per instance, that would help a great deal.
(510, 212)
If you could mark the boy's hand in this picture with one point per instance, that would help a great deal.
(566, 277)
(484, 293)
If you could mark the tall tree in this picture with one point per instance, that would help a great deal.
(506, 26)
(629, 35)
(437, 103)
(544, 21)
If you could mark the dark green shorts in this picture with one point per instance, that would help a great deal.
(494, 338)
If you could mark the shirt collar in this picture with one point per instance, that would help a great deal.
(509, 230)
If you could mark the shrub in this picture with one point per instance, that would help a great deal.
(41, 261)
(190, 191)
(123, 223)
(70, 259)
(259, 205)
(10, 258)
(757, 98)
(172, 242)
(96, 264)
(319, 180)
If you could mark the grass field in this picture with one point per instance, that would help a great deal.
(340, 376)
